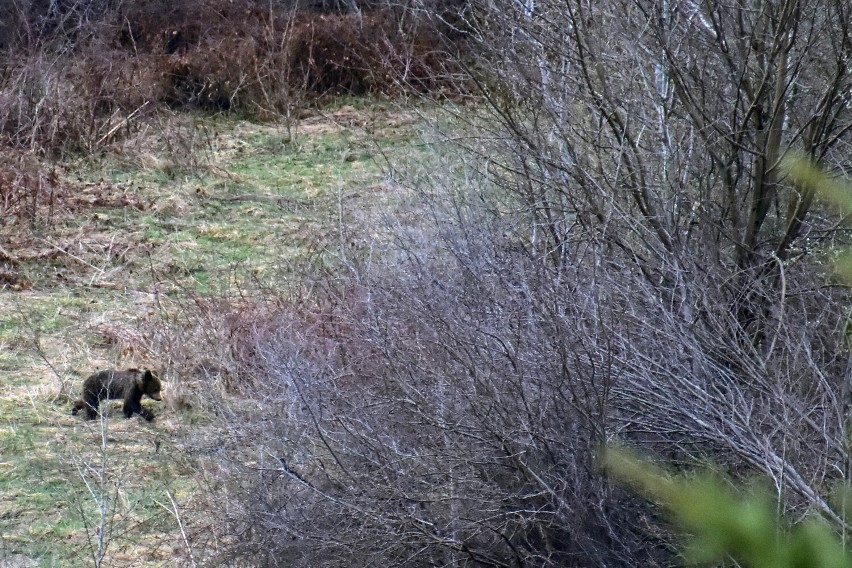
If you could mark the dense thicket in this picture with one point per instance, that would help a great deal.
(612, 253)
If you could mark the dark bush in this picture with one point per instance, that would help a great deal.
(360, 53)
(78, 73)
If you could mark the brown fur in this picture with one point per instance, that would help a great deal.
(129, 385)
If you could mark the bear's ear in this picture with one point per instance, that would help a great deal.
(140, 379)
(148, 375)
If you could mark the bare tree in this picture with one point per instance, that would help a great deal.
(653, 131)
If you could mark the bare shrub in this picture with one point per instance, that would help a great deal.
(440, 404)
(58, 104)
(29, 194)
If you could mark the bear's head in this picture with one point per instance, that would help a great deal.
(149, 383)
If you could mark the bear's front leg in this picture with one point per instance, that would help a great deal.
(132, 407)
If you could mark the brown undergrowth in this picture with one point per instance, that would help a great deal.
(86, 82)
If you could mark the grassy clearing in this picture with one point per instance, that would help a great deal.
(141, 232)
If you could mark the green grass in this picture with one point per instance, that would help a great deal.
(104, 277)
(46, 505)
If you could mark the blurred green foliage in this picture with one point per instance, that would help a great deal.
(810, 179)
(724, 523)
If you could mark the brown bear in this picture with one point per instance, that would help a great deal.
(129, 385)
